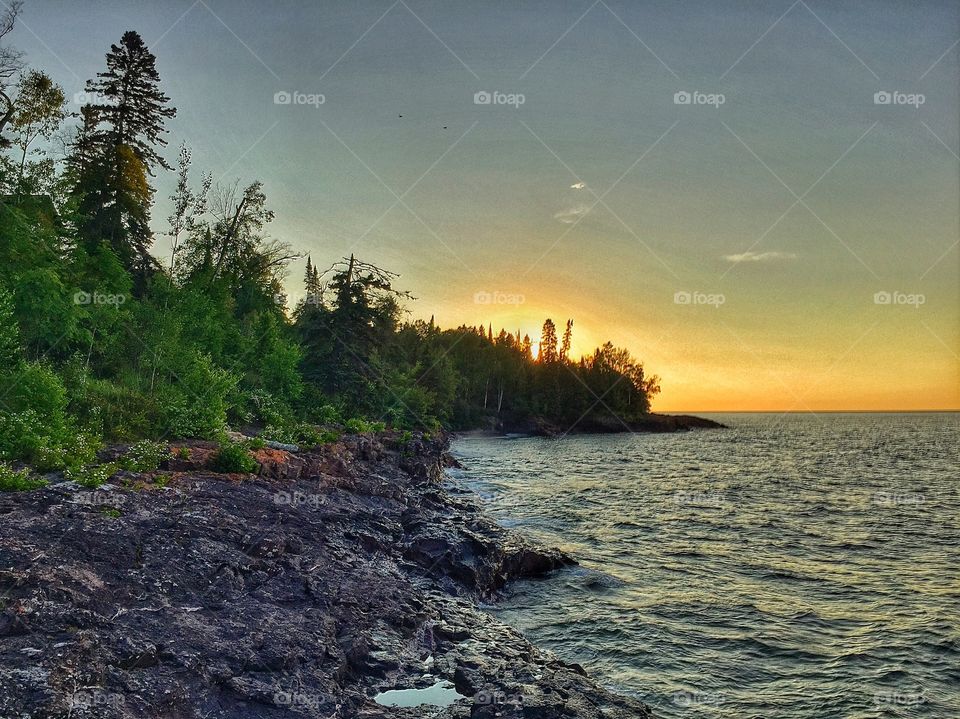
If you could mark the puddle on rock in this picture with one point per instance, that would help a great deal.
(441, 694)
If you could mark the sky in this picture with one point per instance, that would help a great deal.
(760, 200)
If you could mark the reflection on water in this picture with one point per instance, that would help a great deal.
(798, 567)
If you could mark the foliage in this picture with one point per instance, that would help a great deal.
(234, 457)
(362, 426)
(12, 481)
(9, 332)
(300, 433)
(34, 424)
(145, 456)
(99, 340)
(91, 476)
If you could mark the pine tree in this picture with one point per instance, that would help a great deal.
(548, 343)
(116, 151)
(567, 338)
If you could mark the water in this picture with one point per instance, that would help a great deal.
(798, 566)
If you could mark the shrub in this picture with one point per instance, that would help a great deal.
(122, 412)
(327, 414)
(28, 437)
(234, 457)
(361, 426)
(196, 406)
(268, 409)
(9, 332)
(145, 456)
(34, 424)
(300, 433)
(11, 481)
(91, 476)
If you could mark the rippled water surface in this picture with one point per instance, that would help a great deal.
(797, 567)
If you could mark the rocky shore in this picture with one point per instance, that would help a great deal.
(324, 585)
(605, 423)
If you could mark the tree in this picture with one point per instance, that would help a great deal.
(10, 352)
(548, 343)
(11, 61)
(188, 205)
(39, 109)
(567, 338)
(116, 151)
(341, 341)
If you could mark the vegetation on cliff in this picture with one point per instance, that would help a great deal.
(101, 338)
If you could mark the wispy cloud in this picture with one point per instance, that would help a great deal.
(571, 215)
(578, 186)
(760, 257)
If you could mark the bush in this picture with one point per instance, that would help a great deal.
(234, 457)
(327, 414)
(361, 426)
(196, 406)
(27, 437)
(11, 481)
(91, 476)
(300, 433)
(10, 353)
(123, 413)
(34, 424)
(145, 456)
(268, 409)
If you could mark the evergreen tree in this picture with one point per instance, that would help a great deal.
(548, 343)
(567, 338)
(117, 150)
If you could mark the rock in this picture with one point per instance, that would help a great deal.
(337, 573)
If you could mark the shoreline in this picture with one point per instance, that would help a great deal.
(309, 589)
(653, 423)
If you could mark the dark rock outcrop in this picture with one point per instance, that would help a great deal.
(606, 423)
(334, 574)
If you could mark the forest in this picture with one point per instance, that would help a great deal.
(114, 331)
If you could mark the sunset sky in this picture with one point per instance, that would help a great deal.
(795, 247)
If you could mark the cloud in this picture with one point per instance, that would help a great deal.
(571, 215)
(760, 257)
(578, 186)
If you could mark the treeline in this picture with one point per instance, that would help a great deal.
(102, 339)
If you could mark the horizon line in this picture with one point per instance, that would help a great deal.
(807, 411)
